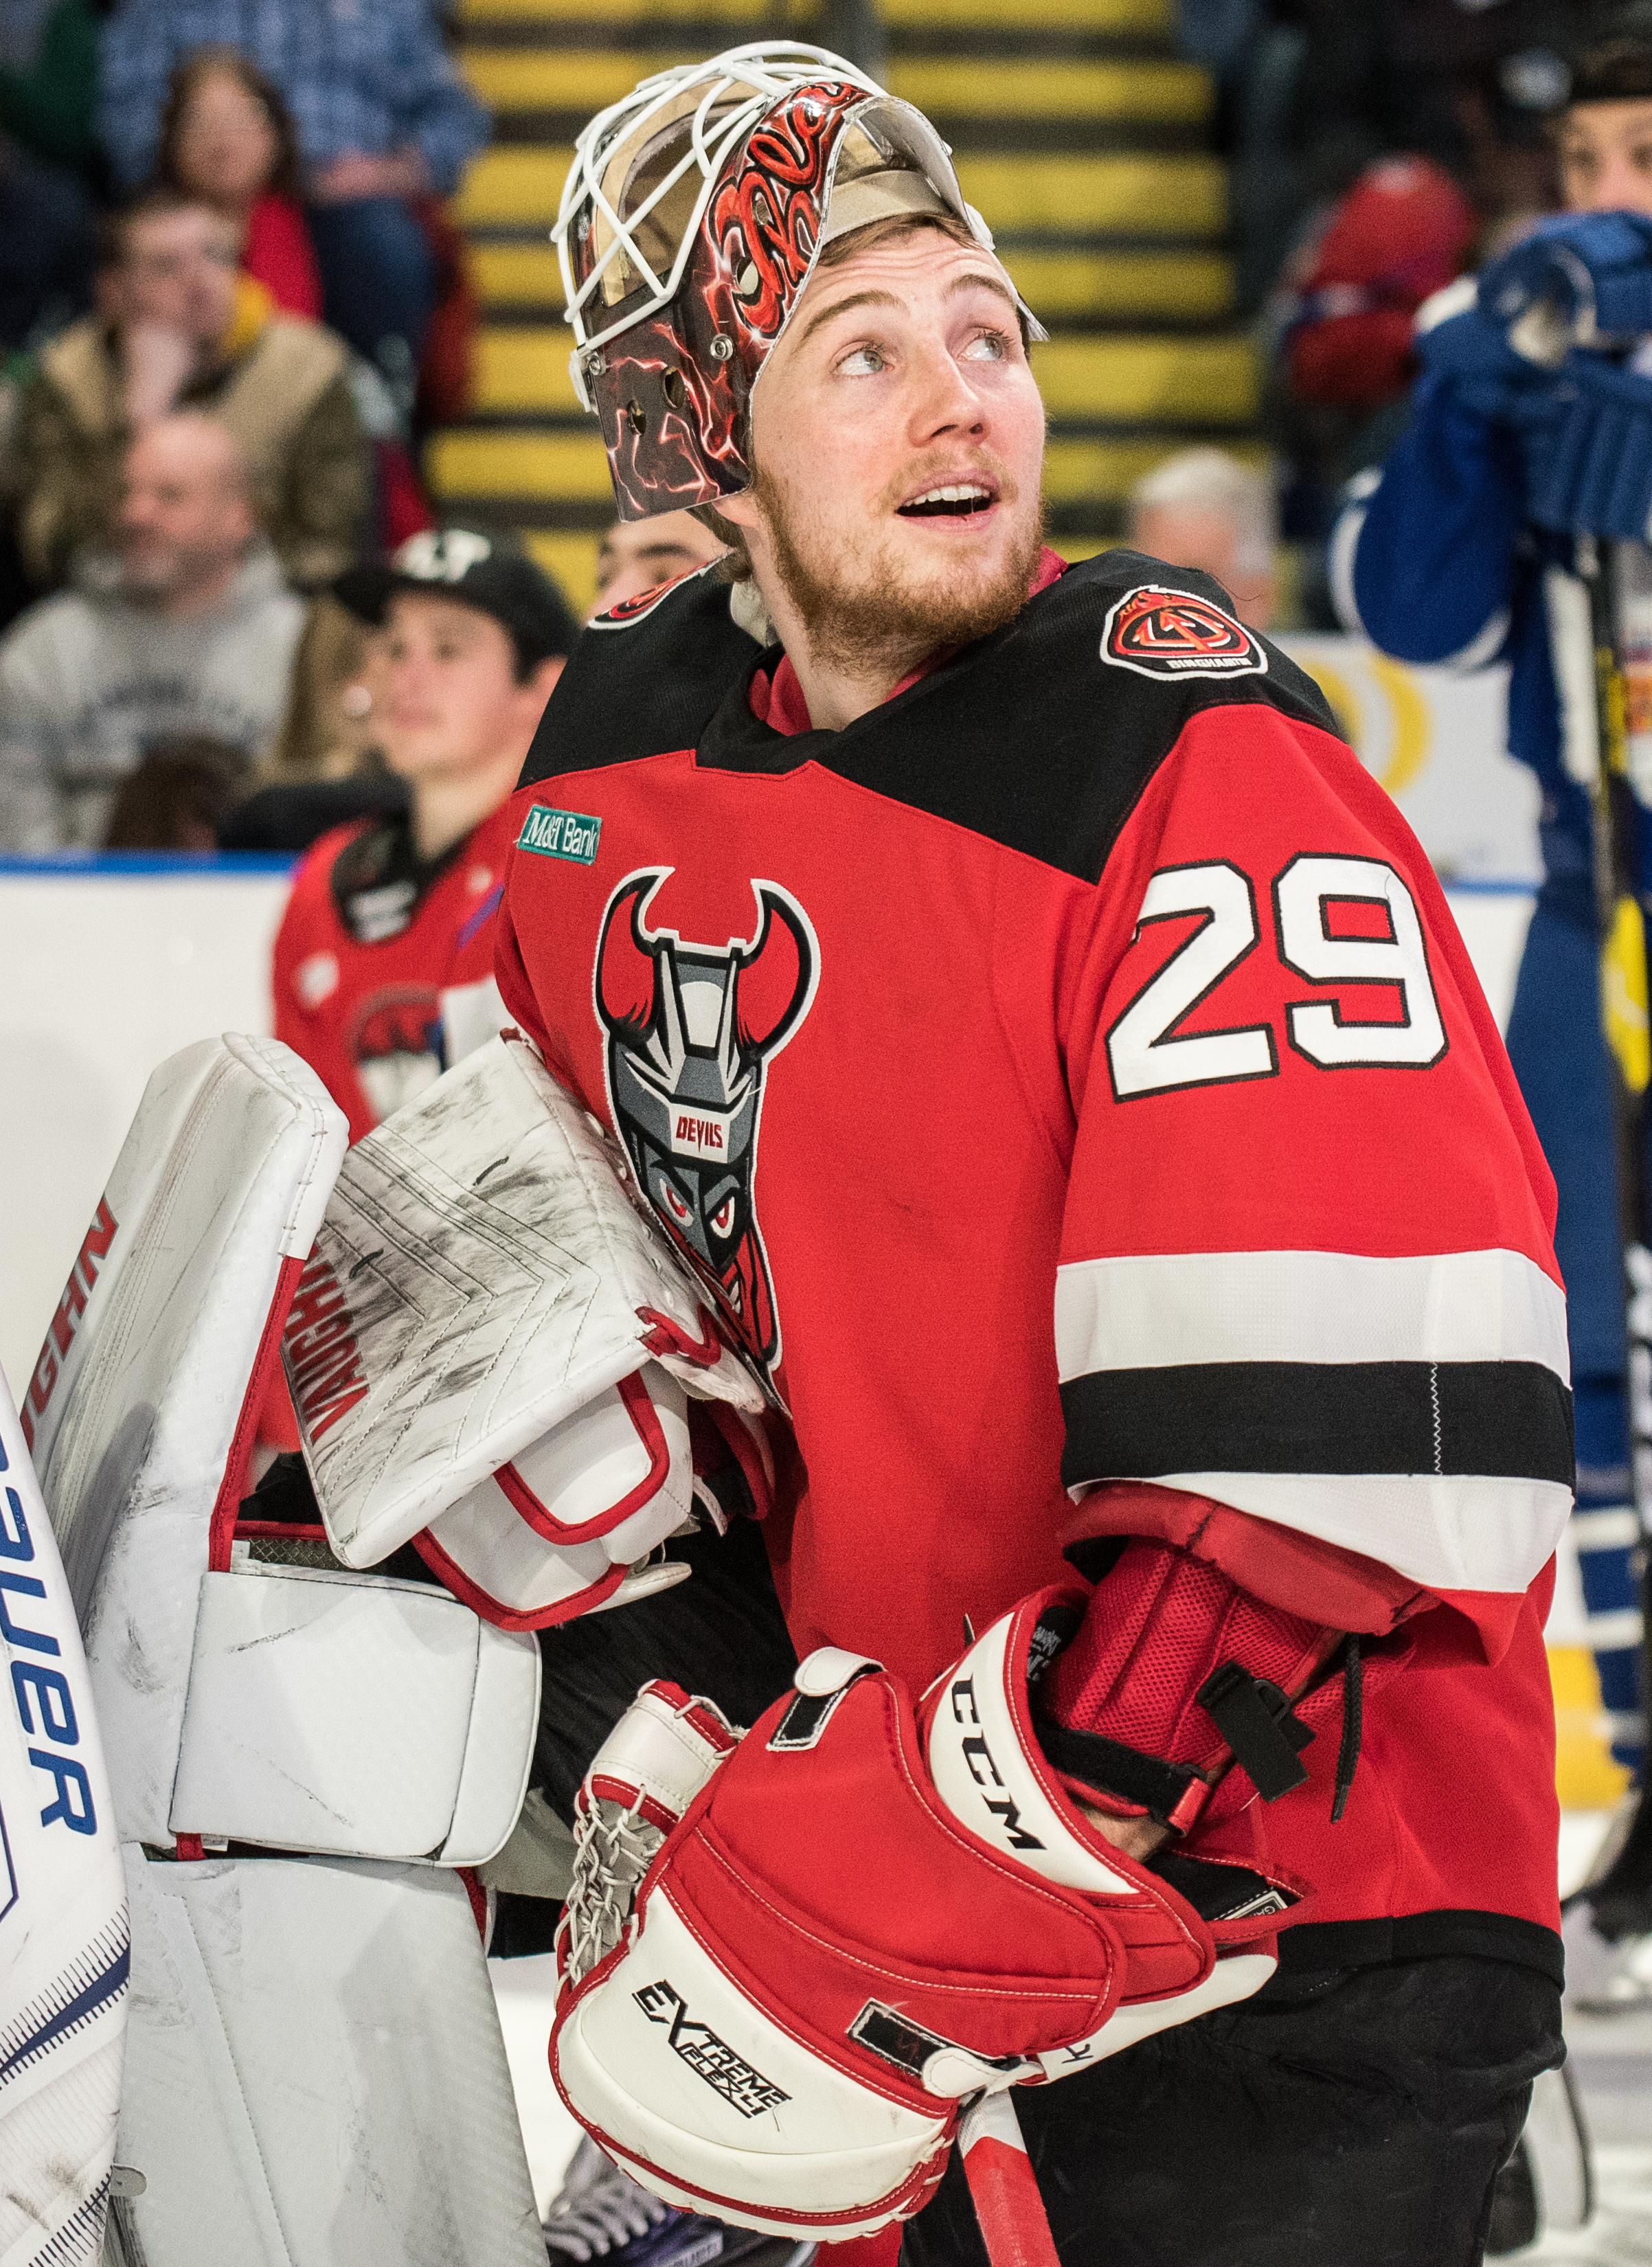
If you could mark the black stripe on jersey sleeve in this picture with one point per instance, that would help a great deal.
(1493, 1419)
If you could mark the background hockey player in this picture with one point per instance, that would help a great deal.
(1010, 941)
(386, 915)
(1463, 555)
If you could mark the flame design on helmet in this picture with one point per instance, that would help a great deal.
(766, 218)
(691, 1029)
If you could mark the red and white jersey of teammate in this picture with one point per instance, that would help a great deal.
(1071, 1084)
(371, 939)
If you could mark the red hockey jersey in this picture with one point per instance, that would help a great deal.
(371, 939)
(1071, 1087)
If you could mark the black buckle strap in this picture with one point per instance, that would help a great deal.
(1169, 1793)
(1255, 1719)
(1353, 1718)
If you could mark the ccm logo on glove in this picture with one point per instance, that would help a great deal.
(975, 1751)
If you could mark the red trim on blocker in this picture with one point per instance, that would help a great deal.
(646, 1424)
(221, 1533)
(249, 1530)
(453, 1575)
(667, 1337)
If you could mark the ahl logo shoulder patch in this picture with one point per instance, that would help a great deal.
(1159, 632)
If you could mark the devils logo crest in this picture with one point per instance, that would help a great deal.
(691, 1029)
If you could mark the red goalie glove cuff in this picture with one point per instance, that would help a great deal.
(1173, 1665)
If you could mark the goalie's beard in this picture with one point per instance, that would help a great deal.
(864, 610)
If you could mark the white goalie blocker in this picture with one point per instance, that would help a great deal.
(492, 1349)
(298, 1753)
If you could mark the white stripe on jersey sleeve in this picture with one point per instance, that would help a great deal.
(1455, 1533)
(1152, 1312)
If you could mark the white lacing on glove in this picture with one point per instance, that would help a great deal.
(614, 1847)
(644, 1776)
(599, 2208)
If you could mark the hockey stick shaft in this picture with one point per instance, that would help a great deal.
(1003, 2185)
(1623, 1900)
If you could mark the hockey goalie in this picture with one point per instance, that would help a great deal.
(996, 1113)
(1055, 1058)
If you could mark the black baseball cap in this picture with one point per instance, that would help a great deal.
(490, 571)
(1612, 57)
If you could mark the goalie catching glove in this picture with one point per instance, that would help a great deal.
(788, 1958)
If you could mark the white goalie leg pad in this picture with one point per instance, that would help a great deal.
(63, 1955)
(481, 1274)
(146, 1398)
(316, 2075)
(472, 1014)
(554, 1532)
(251, 1697)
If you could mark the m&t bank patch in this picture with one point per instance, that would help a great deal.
(560, 834)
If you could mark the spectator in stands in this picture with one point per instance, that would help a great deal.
(227, 139)
(637, 556)
(388, 914)
(384, 119)
(184, 627)
(47, 165)
(1203, 508)
(180, 328)
(184, 784)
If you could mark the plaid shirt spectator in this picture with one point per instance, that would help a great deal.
(368, 76)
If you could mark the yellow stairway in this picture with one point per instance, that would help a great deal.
(1078, 133)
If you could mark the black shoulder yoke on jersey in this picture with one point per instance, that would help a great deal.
(1041, 737)
(379, 881)
(645, 686)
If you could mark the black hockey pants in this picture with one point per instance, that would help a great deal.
(1344, 2118)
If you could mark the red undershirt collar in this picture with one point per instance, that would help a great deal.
(778, 701)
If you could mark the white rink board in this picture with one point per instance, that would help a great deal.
(110, 967)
